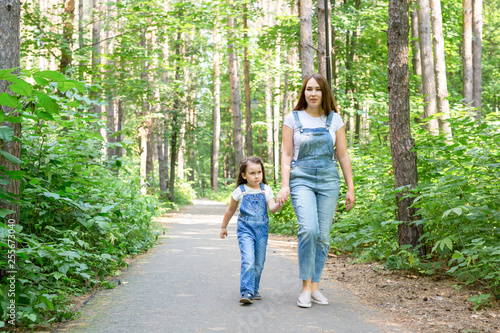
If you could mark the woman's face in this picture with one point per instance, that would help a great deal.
(313, 93)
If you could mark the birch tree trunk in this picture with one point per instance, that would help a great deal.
(216, 117)
(277, 97)
(404, 160)
(306, 40)
(151, 45)
(80, 39)
(10, 12)
(269, 119)
(477, 49)
(110, 108)
(235, 96)
(443, 105)
(416, 61)
(96, 51)
(162, 138)
(174, 122)
(428, 81)
(248, 113)
(467, 51)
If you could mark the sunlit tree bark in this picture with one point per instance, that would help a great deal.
(9, 58)
(467, 51)
(216, 115)
(428, 81)
(443, 105)
(306, 38)
(235, 95)
(404, 158)
(477, 50)
(67, 38)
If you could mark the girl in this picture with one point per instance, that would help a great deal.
(309, 174)
(252, 195)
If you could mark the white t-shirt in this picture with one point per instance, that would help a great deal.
(238, 195)
(311, 122)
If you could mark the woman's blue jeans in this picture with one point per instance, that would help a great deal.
(315, 187)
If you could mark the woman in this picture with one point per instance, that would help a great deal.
(309, 174)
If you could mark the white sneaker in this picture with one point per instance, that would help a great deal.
(304, 300)
(318, 298)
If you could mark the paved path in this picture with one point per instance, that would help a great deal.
(190, 283)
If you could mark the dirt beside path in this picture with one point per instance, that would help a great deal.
(420, 303)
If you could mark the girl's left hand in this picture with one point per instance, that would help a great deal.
(349, 200)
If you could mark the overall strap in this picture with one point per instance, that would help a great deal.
(242, 188)
(329, 121)
(263, 188)
(297, 120)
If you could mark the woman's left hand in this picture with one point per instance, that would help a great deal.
(349, 199)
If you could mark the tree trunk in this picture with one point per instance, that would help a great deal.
(10, 44)
(477, 49)
(163, 131)
(110, 108)
(96, 52)
(235, 96)
(143, 133)
(248, 114)
(269, 119)
(143, 138)
(416, 61)
(467, 51)
(67, 37)
(428, 81)
(321, 53)
(306, 40)
(443, 105)
(161, 160)
(151, 45)
(81, 64)
(404, 160)
(119, 127)
(277, 96)
(174, 123)
(216, 115)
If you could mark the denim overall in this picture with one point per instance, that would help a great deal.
(252, 231)
(314, 189)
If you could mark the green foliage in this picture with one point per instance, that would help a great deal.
(284, 222)
(479, 300)
(79, 217)
(458, 198)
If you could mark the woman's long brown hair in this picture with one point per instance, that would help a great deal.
(327, 101)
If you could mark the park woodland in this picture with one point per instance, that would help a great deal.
(115, 112)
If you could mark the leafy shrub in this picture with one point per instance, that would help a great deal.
(79, 217)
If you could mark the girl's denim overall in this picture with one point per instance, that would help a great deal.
(252, 231)
(314, 189)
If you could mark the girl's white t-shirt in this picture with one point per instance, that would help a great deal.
(311, 122)
(238, 195)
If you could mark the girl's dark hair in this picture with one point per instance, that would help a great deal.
(243, 168)
(328, 102)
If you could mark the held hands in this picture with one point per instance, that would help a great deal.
(349, 199)
(283, 195)
(223, 233)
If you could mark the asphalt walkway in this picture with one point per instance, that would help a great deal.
(190, 283)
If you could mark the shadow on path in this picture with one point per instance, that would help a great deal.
(190, 283)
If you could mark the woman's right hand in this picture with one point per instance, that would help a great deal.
(283, 195)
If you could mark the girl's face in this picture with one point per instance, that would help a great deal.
(313, 93)
(253, 175)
